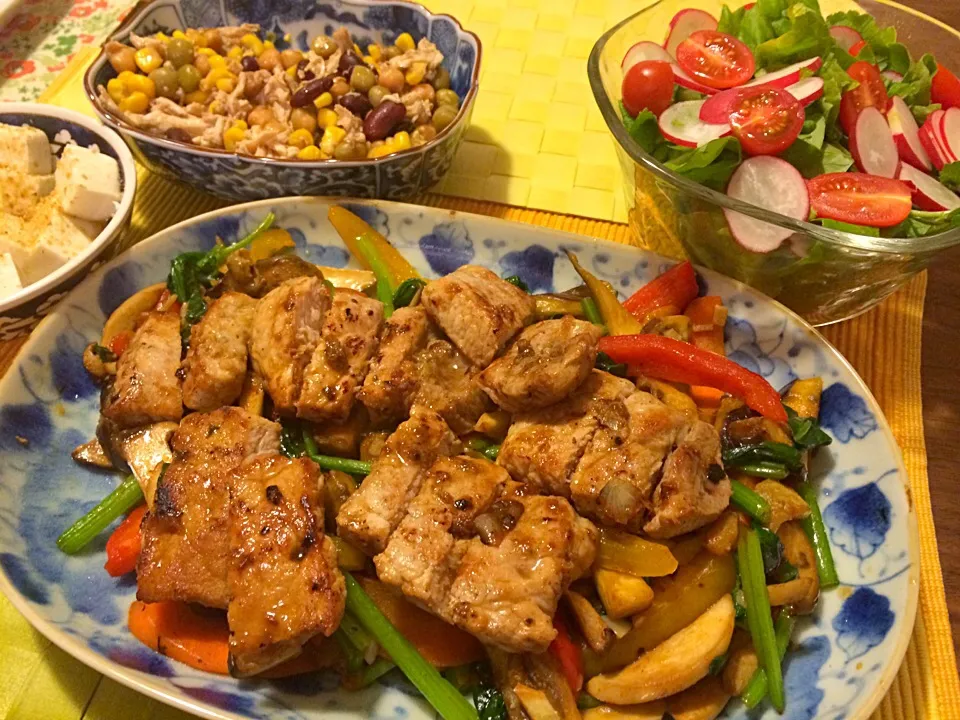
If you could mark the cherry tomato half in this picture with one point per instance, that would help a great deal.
(716, 59)
(871, 92)
(766, 120)
(945, 88)
(860, 199)
(648, 85)
(857, 47)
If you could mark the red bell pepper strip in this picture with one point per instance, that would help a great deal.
(120, 341)
(123, 547)
(677, 287)
(568, 655)
(676, 361)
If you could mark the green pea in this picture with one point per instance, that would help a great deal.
(376, 94)
(362, 78)
(350, 150)
(323, 45)
(443, 116)
(166, 82)
(180, 52)
(189, 78)
(448, 97)
(442, 79)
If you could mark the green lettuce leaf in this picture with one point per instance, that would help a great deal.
(643, 129)
(835, 83)
(849, 227)
(885, 51)
(836, 158)
(950, 175)
(921, 223)
(915, 86)
(711, 164)
(730, 20)
(808, 36)
(806, 153)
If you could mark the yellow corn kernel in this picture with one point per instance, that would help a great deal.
(416, 72)
(209, 52)
(226, 84)
(179, 35)
(214, 77)
(116, 91)
(405, 42)
(291, 71)
(300, 138)
(374, 51)
(235, 53)
(380, 151)
(197, 38)
(148, 59)
(401, 141)
(215, 108)
(326, 118)
(252, 42)
(135, 102)
(163, 37)
(325, 100)
(268, 45)
(218, 61)
(332, 136)
(197, 96)
(242, 124)
(231, 136)
(141, 83)
(310, 152)
(357, 50)
(368, 60)
(125, 77)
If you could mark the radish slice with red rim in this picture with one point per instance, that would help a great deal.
(892, 75)
(773, 184)
(684, 24)
(928, 193)
(872, 145)
(788, 75)
(807, 90)
(681, 124)
(846, 37)
(906, 134)
(930, 139)
(950, 132)
(643, 51)
(682, 79)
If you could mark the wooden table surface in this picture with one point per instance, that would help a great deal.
(941, 386)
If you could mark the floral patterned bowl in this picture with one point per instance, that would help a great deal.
(845, 656)
(243, 177)
(21, 312)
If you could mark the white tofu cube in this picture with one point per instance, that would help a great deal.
(20, 194)
(88, 183)
(14, 237)
(25, 149)
(9, 277)
(58, 241)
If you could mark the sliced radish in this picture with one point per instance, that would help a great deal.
(928, 193)
(684, 24)
(950, 132)
(846, 37)
(906, 135)
(892, 75)
(773, 184)
(930, 139)
(717, 108)
(684, 80)
(872, 144)
(681, 124)
(788, 75)
(643, 51)
(807, 90)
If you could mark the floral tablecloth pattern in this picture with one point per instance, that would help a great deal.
(41, 37)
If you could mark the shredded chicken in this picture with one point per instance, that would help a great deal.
(140, 41)
(164, 115)
(419, 109)
(347, 120)
(233, 34)
(341, 36)
(425, 52)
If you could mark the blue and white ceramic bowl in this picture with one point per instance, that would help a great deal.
(21, 312)
(845, 656)
(243, 177)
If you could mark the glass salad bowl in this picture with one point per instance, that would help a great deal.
(825, 275)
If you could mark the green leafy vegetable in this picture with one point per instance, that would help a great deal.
(882, 43)
(915, 86)
(921, 223)
(776, 453)
(771, 549)
(718, 664)
(104, 353)
(585, 701)
(848, 227)
(711, 164)
(291, 439)
(802, 34)
(490, 703)
(750, 502)
(380, 270)
(807, 433)
(785, 572)
(950, 175)
(518, 281)
(483, 446)
(331, 462)
(836, 81)
(836, 158)
(817, 532)
(590, 311)
(756, 689)
(643, 129)
(806, 152)
(605, 362)
(407, 291)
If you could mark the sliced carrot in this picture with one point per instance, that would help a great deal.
(706, 397)
(197, 638)
(119, 342)
(123, 546)
(441, 644)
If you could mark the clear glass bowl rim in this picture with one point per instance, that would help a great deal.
(611, 116)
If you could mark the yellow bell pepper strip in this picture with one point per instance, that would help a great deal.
(270, 243)
(617, 320)
(351, 228)
(385, 288)
(676, 287)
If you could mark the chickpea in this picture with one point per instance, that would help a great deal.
(269, 59)
(339, 88)
(422, 135)
(260, 115)
(423, 91)
(302, 118)
(324, 46)
(442, 79)
(392, 79)
(362, 78)
(213, 40)
(274, 126)
(448, 97)
(202, 63)
(443, 116)
(290, 57)
(121, 58)
(350, 150)
(376, 94)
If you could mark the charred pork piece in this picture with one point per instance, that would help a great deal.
(448, 385)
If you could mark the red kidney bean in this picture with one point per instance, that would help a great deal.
(383, 119)
(310, 91)
(249, 63)
(356, 103)
(347, 61)
(302, 72)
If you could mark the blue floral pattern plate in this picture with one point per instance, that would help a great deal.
(844, 657)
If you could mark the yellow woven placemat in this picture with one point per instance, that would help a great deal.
(37, 680)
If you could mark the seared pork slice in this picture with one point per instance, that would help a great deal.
(546, 362)
(543, 447)
(423, 554)
(694, 489)
(506, 594)
(282, 575)
(478, 311)
(392, 380)
(373, 512)
(616, 477)
(285, 332)
(216, 362)
(448, 385)
(184, 546)
(348, 340)
(146, 388)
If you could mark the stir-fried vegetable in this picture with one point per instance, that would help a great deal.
(483, 446)
(385, 286)
(708, 317)
(605, 363)
(675, 288)
(439, 693)
(567, 653)
(407, 292)
(634, 555)
(329, 462)
(766, 459)
(351, 228)
(518, 281)
(615, 317)
(817, 532)
(123, 547)
(126, 496)
(756, 689)
(182, 633)
(550, 306)
(754, 584)
(591, 312)
(668, 359)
